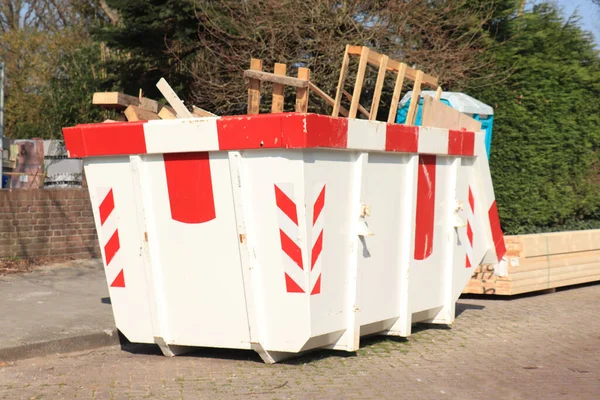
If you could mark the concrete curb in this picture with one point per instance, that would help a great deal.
(64, 345)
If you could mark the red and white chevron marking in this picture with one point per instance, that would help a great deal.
(317, 245)
(470, 217)
(109, 234)
(289, 233)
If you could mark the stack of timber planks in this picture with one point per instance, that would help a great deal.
(541, 262)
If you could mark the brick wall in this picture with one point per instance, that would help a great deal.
(47, 223)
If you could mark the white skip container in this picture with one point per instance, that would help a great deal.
(288, 232)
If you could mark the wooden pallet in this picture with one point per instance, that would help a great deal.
(384, 64)
(541, 262)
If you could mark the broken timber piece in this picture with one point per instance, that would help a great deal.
(135, 113)
(200, 112)
(326, 98)
(362, 110)
(438, 93)
(269, 77)
(173, 99)
(440, 115)
(120, 101)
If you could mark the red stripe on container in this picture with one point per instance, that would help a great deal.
(250, 132)
(119, 280)
(319, 204)
(497, 235)
(317, 287)
(471, 200)
(402, 138)
(105, 139)
(111, 247)
(291, 249)
(425, 207)
(461, 143)
(189, 183)
(326, 132)
(316, 251)
(286, 205)
(468, 262)
(291, 286)
(469, 232)
(106, 207)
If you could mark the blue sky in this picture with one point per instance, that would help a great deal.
(589, 12)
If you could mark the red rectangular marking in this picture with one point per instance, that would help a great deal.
(461, 143)
(106, 207)
(402, 138)
(497, 234)
(326, 132)
(425, 217)
(105, 139)
(317, 287)
(250, 132)
(190, 187)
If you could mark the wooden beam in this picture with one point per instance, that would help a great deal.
(254, 88)
(200, 112)
(120, 101)
(135, 113)
(342, 80)
(360, 77)
(438, 93)
(278, 90)
(361, 109)
(396, 94)
(326, 98)
(269, 77)
(173, 99)
(302, 93)
(414, 100)
(378, 88)
(165, 113)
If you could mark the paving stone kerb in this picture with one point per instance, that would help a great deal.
(531, 347)
(57, 308)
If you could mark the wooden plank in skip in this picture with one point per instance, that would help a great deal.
(120, 101)
(200, 112)
(326, 98)
(302, 93)
(254, 88)
(269, 77)
(135, 113)
(173, 99)
(414, 100)
(396, 94)
(439, 115)
(167, 113)
(438, 93)
(360, 77)
(378, 88)
(341, 82)
(278, 90)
